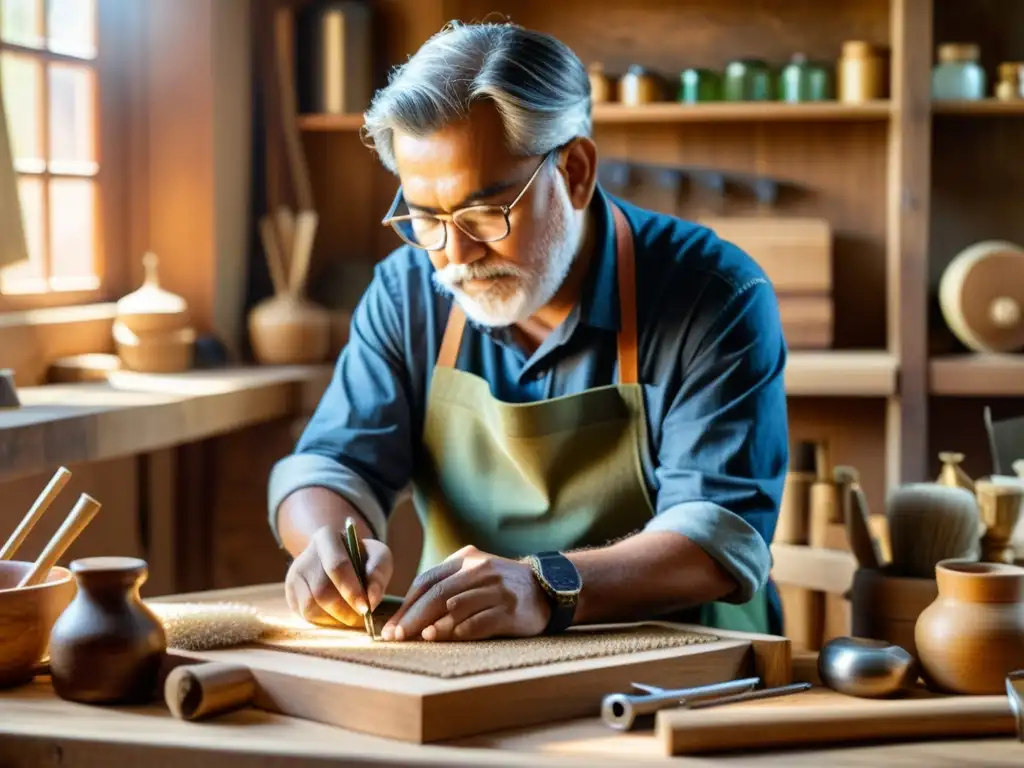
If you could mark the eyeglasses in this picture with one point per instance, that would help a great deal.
(482, 223)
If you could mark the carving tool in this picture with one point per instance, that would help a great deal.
(621, 711)
(754, 695)
(50, 492)
(358, 559)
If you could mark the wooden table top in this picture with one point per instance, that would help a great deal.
(38, 729)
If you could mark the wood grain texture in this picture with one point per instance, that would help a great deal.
(414, 707)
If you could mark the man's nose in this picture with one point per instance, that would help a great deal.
(460, 248)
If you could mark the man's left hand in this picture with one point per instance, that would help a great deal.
(471, 596)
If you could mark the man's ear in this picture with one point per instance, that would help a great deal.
(578, 165)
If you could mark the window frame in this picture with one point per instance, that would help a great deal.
(116, 26)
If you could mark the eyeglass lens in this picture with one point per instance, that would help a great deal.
(484, 224)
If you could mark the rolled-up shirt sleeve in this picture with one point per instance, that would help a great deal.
(357, 442)
(724, 448)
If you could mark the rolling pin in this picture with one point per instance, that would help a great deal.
(198, 691)
(685, 732)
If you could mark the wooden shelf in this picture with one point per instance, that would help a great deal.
(978, 375)
(755, 111)
(841, 374)
(983, 107)
(671, 112)
(330, 122)
(135, 413)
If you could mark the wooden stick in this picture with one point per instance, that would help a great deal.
(284, 57)
(198, 691)
(275, 264)
(305, 234)
(83, 513)
(285, 218)
(50, 492)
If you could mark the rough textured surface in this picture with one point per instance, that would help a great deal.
(205, 626)
(458, 659)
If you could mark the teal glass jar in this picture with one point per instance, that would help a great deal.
(699, 85)
(747, 80)
(802, 80)
(958, 76)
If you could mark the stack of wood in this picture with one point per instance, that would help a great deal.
(796, 254)
(153, 331)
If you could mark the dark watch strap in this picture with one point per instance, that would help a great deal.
(561, 583)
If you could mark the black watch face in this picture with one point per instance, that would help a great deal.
(560, 574)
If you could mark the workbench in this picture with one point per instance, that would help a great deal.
(37, 729)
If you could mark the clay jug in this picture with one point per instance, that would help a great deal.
(972, 636)
(107, 646)
(288, 330)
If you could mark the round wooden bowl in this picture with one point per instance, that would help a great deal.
(26, 617)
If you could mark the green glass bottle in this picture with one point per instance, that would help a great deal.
(802, 80)
(699, 85)
(747, 80)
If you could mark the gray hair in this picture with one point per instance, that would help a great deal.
(537, 83)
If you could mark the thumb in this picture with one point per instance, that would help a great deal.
(379, 567)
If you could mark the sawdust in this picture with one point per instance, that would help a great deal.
(458, 659)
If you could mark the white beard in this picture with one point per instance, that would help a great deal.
(534, 280)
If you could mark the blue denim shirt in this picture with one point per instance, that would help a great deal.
(712, 356)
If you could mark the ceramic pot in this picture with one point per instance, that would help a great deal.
(107, 647)
(285, 330)
(972, 636)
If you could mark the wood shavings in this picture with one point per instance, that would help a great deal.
(458, 659)
(205, 626)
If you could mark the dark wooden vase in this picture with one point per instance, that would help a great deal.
(107, 647)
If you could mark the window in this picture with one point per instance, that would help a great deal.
(48, 64)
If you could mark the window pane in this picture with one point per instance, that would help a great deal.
(22, 22)
(22, 86)
(26, 276)
(71, 26)
(72, 228)
(72, 119)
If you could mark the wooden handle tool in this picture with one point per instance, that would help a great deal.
(50, 492)
(198, 691)
(275, 259)
(685, 732)
(82, 514)
(305, 234)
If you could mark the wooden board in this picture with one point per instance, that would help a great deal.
(419, 708)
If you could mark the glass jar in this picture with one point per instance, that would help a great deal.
(699, 85)
(747, 80)
(638, 86)
(1011, 81)
(602, 87)
(958, 75)
(860, 73)
(801, 80)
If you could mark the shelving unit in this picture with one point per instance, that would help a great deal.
(901, 180)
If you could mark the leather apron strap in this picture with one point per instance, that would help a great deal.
(628, 355)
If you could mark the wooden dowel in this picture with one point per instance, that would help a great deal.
(198, 691)
(285, 220)
(82, 514)
(50, 492)
(305, 233)
(275, 262)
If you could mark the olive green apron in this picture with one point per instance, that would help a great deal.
(565, 473)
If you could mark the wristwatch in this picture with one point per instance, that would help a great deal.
(561, 583)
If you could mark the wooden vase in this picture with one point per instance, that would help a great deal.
(886, 607)
(107, 647)
(972, 636)
(286, 330)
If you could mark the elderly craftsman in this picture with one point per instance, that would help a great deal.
(585, 397)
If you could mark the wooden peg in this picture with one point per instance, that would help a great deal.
(82, 514)
(50, 492)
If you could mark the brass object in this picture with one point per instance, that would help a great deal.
(602, 86)
(1000, 508)
(866, 668)
(952, 473)
(860, 73)
(1011, 81)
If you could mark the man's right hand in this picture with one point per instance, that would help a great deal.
(321, 585)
